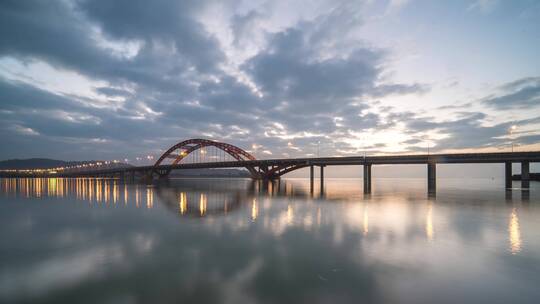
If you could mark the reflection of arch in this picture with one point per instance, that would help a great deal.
(197, 203)
(187, 146)
(220, 196)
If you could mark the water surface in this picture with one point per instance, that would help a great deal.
(237, 241)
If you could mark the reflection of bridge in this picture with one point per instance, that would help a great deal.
(269, 169)
(199, 198)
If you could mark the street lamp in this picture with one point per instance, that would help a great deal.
(511, 130)
(426, 138)
(363, 139)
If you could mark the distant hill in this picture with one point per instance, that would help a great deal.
(37, 163)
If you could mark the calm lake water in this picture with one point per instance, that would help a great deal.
(236, 241)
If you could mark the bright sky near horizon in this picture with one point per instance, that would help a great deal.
(120, 79)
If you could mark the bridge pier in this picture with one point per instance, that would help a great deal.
(367, 178)
(525, 178)
(311, 178)
(148, 176)
(322, 179)
(432, 177)
(508, 175)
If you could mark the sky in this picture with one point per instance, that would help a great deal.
(121, 79)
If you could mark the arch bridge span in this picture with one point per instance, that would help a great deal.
(180, 151)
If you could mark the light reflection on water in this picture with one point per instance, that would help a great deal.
(515, 234)
(429, 222)
(235, 241)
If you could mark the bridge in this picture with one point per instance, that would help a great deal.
(271, 169)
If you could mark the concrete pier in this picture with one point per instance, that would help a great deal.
(367, 178)
(311, 178)
(525, 179)
(432, 177)
(508, 175)
(322, 179)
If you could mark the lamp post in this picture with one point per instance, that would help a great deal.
(363, 139)
(426, 138)
(511, 130)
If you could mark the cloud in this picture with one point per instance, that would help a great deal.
(24, 130)
(396, 5)
(112, 92)
(162, 71)
(399, 89)
(456, 106)
(520, 94)
(469, 130)
(484, 6)
(167, 23)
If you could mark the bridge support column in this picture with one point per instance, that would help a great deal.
(148, 176)
(525, 175)
(367, 178)
(311, 178)
(322, 179)
(508, 175)
(432, 177)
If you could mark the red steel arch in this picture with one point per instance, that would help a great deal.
(190, 145)
(278, 171)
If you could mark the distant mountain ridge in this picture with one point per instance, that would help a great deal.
(38, 163)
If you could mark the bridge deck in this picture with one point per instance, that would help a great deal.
(463, 158)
